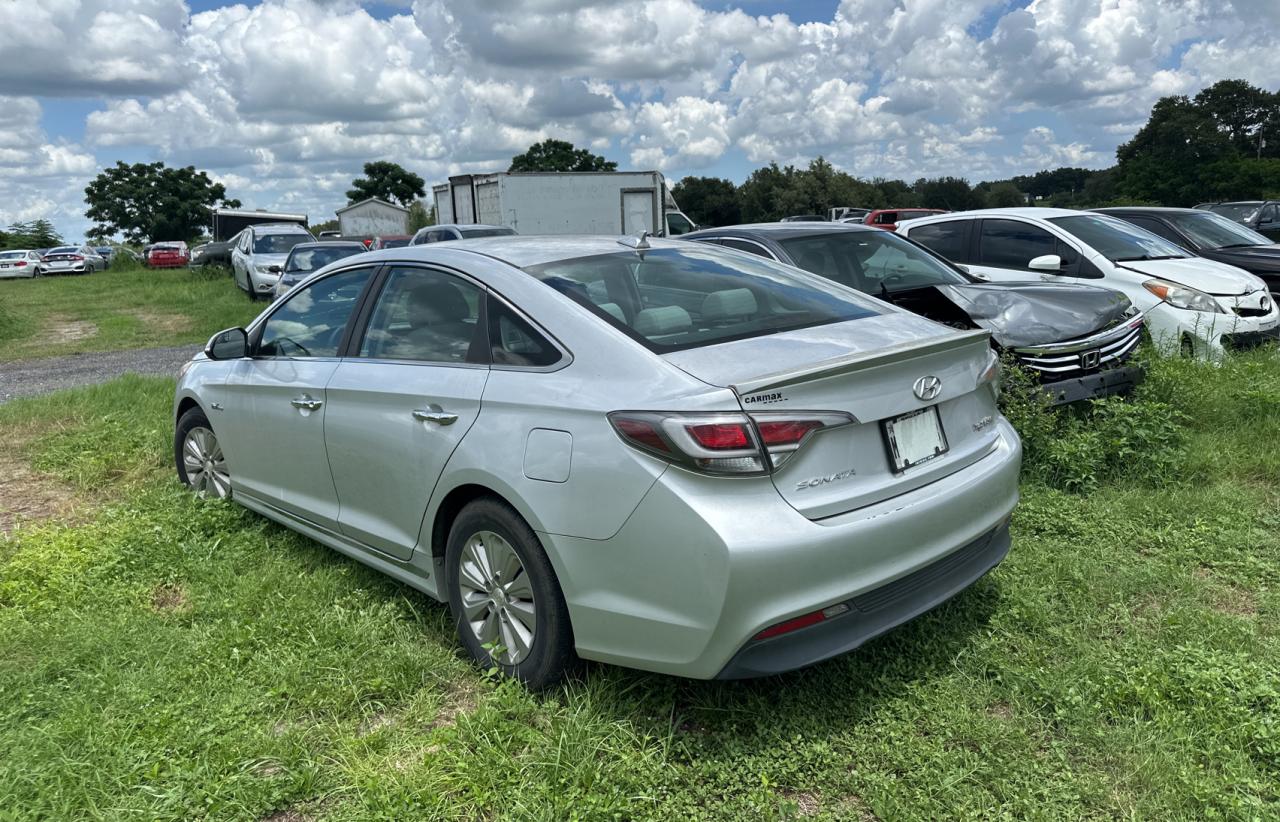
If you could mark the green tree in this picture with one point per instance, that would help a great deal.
(709, 201)
(387, 181)
(559, 155)
(420, 216)
(950, 193)
(1248, 116)
(150, 202)
(33, 234)
(1005, 195)
(327, 225)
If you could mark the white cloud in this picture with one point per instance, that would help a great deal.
(285, 99)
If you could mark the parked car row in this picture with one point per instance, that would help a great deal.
(659, 453)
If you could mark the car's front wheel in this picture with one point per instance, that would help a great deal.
(504, 595)
(202, 466)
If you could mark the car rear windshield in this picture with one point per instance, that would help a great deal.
(874, 262)
(314, 259)
(66, 249)
(401, 243)
(12, 255)
(278, 243)
(1215, 231)
(1117, 240)
(1240, 212)
(472, 233)
(672, 299)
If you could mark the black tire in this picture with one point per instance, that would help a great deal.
(551, 655)
(191, 419)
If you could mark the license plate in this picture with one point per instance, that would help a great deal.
(915, 438)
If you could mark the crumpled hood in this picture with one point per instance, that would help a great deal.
(1204, 275)
(1019, 314)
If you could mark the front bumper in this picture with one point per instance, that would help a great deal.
(699, 569)
(1102, 384)
(1246, 340)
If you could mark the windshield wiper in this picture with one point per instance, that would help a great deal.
(1240, 245)
(1146, 257)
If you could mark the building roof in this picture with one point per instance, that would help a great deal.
(373, 200)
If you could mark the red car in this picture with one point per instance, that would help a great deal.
(888, 218)
(168, 255)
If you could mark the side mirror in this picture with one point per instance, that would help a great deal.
(231, 344)
(1047, 262)
(274, 269)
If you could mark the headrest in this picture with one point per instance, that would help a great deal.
(669, 319)
(732, 302)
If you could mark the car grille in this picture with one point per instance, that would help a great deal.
(1073, 359)
(1246, 311)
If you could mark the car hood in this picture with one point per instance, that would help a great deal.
(1019, 314)
(1209, 276)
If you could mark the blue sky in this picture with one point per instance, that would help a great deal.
(283, 100)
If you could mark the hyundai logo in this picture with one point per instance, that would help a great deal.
(927, 388)
(1090, 359)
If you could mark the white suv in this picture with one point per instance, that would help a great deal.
(1193, 305)
(260, 252)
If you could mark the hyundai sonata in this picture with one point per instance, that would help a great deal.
(653, 453)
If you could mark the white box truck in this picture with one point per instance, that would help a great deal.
(570, 202)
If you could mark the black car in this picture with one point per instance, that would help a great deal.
(1210, 235)
(1262, 216)
(1078, 339)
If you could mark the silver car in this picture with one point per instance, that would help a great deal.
(448, 232)
(72, 259)
(657, 454)
(259, 254)
(20, 263)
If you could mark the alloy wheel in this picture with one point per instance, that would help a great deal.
(497, 598)
(205, 465)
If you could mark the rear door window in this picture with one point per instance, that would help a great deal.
(428, 316)
(1012, 244)
(949, 238)
(671, 299)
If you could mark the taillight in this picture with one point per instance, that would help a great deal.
(20, 264)
(77, 256)
(727, 443)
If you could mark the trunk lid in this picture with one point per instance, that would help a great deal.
(866, 368)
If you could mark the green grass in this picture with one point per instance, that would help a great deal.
(126, 306)
(177, 659)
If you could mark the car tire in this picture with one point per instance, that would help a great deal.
(198, 456)
(503, 594)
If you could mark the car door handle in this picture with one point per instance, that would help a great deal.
(436, 414)
(306, 403)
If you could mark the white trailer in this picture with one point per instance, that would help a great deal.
(575, 202)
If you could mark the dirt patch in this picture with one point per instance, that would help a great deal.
(1226, 598)
(287, 815)
(60, 328)
(169, 598)
(807, 804)
(27, 496)
(163, 322)
(1000, 710)
(460, 700)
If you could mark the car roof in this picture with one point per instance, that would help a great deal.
(329, 244)
(780, 231)
(1147, 210)
(279, 228)
(524, 251)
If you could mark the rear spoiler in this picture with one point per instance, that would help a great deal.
(861, 360)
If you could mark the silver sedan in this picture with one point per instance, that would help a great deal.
(652, 453)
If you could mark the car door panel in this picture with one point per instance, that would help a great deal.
(386, 458)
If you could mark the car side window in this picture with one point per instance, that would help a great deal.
(513, 341)
(750, 248)
(427, 316)
(1013, 244)
(1268, 214)
(949, 238)
(311, 320)
(1157, 228)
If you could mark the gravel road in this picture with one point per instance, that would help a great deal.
(26, 378)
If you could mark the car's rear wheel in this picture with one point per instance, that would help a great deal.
(201, 464)
(504, 596)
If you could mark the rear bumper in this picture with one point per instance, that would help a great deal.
(874, 612)
(699, 569)
(1102, 384)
